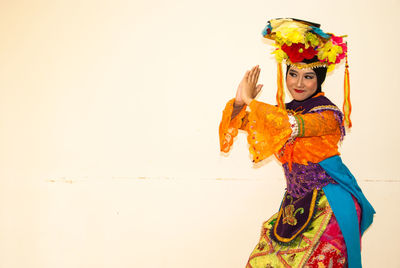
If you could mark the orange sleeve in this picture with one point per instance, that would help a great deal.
(317, 124)
(228, 128)
(268, 129)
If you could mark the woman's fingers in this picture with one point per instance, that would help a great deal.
(258, 89)
(247, 74)
(254, 74)
(250, 78)
(258, 74)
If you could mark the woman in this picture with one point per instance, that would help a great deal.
(323, 213)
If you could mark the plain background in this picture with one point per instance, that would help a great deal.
(109, 114)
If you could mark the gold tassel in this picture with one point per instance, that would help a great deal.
(280, 94)
(346, 101)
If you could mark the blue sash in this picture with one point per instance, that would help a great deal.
(342, 204)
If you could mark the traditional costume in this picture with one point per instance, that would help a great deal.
(323, 212)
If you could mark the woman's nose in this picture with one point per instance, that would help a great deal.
(299, 81)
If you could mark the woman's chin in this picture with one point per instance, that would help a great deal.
(298, 98)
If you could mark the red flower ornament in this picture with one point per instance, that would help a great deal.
(297, 52)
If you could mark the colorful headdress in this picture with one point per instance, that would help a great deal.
(298, 40)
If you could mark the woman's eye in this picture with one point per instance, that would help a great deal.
(292, 74)
(309, 77)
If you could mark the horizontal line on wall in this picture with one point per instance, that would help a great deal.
(144, 178)
(381, 180)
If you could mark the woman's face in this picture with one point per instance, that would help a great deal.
(301, 83)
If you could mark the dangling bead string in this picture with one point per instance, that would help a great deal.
(280, 94)
(346, 101)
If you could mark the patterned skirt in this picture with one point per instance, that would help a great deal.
(321, 244)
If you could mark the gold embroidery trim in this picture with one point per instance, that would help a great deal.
(325, 107)
(310, 214)
(306, 66)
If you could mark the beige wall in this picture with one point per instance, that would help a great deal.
(108, 129)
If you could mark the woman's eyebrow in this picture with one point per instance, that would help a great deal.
(310, 73)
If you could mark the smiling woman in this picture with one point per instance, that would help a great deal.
(301, 83)
(304, 83)
(319, 223)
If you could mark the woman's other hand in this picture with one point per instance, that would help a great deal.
(248, 88)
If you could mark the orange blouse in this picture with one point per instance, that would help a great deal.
(270, 132)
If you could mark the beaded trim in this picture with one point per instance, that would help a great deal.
(325, 107)
(294, 125)
(300, 122)
(312, 65)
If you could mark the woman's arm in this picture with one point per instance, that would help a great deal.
(315, 124)
(236, 110)
(234, 116)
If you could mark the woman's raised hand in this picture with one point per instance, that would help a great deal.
(248, 88)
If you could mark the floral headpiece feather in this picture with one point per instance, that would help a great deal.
(296, 40)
